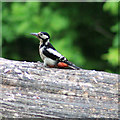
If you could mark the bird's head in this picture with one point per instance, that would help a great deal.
(43, 36)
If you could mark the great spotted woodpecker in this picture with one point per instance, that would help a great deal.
(49, 54)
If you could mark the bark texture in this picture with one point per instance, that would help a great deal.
(30, 90)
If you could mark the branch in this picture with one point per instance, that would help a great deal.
(31, 90)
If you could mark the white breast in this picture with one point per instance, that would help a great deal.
(41, 55)
(48, 61)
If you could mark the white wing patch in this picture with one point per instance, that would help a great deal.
(54, 52)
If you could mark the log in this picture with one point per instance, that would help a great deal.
(30, 90)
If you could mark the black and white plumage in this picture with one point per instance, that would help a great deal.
(49, 54)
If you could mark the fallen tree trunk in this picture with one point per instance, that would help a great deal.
(30, 90)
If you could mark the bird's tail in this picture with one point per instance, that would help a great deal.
(71, 65)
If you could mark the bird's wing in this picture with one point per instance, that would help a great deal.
(52, 53)
(71, 65)
(49, 45)
(55, 55)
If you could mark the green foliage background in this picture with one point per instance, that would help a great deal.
(86, 33)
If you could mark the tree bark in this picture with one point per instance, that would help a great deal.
(30, 90)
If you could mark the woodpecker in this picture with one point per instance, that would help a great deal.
(50, 56)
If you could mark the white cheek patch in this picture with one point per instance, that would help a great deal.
(44, 36)
(54, 52)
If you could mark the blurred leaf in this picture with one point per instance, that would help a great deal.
(8, 33)
(114, 28)
(0, 27)
(18, 19)
(115, 41)
(112, 56)
(58, 22)
(112, 7)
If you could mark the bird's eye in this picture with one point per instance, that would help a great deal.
(41, 34)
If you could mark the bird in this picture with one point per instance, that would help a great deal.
(50, 56)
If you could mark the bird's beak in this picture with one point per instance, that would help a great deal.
(35, 34)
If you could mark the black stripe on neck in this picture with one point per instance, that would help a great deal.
(44, 42)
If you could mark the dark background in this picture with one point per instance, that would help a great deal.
(85, 33)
